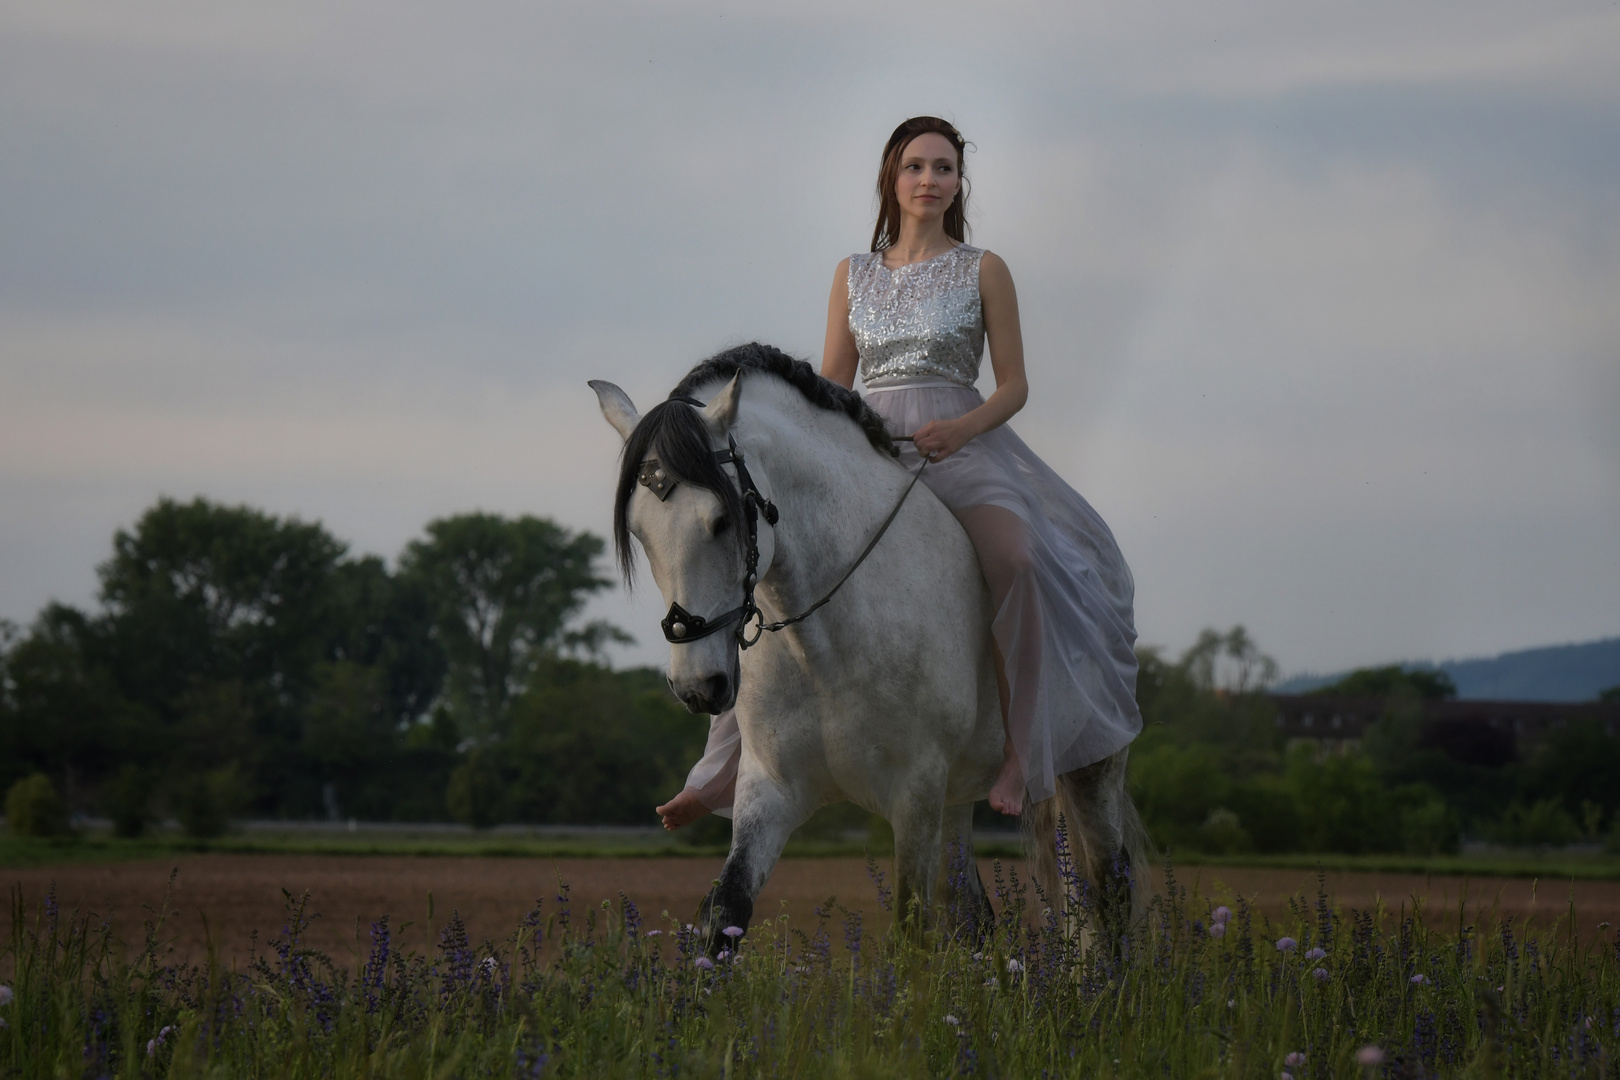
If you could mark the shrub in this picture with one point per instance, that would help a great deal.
(206, 802)
(129, 801)
(1543, 824)
(477, 792)
(33, 808)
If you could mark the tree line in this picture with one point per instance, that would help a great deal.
(237, 663)
(1210, 771)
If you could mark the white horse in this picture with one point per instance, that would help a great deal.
(886, 696)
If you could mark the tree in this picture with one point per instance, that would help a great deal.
(1429, 685)
(1230, 662)
(501, 592)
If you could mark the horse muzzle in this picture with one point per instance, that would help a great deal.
(707, 693)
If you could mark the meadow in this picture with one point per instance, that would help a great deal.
(596, 987)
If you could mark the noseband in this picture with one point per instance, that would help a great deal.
(680, 626)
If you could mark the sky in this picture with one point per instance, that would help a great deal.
(1321, 302)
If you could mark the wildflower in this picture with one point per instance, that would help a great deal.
(725, 954)
(1014, 966)
(951, 1020)
(995, 984)
(153, 1044)
(6, 995)
(1588, 1023)
(1294, 1059)
(1231, 1003)
(1286, 1076)
(1217, 929)
(1319, 974)
(488, 966)
(705, 963)
(1370, 1055)
(1419, 979)
(1285, 944)
(1221, 915)
(654, 933)
(1316, 954)
(978, 956)
(733, 932)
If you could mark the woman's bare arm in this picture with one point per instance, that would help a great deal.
(942, 438)
(839, 357)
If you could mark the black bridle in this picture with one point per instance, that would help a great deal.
(680, 626)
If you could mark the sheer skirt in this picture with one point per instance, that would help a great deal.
(1061, 593)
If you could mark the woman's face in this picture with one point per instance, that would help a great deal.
(928, 180)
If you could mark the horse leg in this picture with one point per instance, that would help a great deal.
(966, 900)
(918, 820)
(764, 816)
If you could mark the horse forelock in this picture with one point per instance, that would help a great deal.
(674, 434)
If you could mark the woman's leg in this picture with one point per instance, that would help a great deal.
(1001, 541)
(712, 783)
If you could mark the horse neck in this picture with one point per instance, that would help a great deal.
(830, 487)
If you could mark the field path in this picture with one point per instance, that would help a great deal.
(242, 894)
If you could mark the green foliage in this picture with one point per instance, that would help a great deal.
(33, 808)
(1389, 681)
(129, 801)
(1611, 694)
(585, 990)
(205, 802)
(1541, 824)
(501, 592)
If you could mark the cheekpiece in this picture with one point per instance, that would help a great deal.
(655, 479)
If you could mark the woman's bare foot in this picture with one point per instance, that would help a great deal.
(683, 809)
(1007, 794)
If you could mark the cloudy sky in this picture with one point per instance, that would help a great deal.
(1322, 301)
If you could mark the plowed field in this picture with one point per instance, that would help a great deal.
(232, 898)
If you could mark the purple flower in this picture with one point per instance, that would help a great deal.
(733, 931)
(1316, 954)
(1294, 1059)
(1417, 980)
(153, 1044)
(1284, 944)
(1217, 929)
(1320, 974)
(654, 933)
(705, 963)
(1221, 915)
(1370, 1055)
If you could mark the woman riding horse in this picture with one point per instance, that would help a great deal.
(912, 317)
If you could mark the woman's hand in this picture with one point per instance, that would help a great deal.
(939, 439)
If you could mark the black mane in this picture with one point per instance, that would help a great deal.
(672, 432)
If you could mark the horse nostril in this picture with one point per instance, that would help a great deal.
(719, 689)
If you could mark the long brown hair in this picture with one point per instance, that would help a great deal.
(887, 232)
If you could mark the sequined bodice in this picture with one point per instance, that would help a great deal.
(921, 320)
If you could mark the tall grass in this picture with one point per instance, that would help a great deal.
(599, 990)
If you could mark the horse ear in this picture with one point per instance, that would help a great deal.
(617, 407)
(721, 412)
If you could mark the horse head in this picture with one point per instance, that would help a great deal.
(682, 499)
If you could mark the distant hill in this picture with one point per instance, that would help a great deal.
(1554, 673)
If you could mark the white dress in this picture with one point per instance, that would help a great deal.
(1061, 590)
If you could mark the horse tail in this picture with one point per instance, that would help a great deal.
(1088, 846)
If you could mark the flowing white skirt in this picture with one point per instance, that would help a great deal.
(1062, 594)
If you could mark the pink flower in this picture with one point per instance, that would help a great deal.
(1221, 915)
(705, 963)
(1370, 1055)
(1217, 929)
(1284, 944)
(1316, 953)
(1319, 974)
(733, 932)
(654, 933)
(1294, 1059)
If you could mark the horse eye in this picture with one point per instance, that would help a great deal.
(721, 524)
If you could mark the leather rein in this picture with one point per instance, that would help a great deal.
(680, 626)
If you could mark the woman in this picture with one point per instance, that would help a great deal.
(911, 317)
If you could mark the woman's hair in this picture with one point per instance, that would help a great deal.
(887, 232)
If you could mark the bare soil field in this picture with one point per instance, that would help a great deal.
(235, 899)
